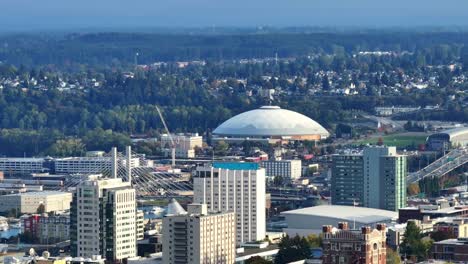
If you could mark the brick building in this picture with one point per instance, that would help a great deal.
(365, 246)
(453, 250)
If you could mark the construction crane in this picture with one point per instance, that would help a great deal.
(173, 146)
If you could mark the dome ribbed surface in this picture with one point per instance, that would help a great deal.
(270, 121)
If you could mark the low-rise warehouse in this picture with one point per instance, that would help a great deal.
(310, 220)
(29, 202)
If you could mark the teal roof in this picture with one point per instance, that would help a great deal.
(236, 165)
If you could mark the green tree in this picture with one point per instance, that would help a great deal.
(40, 209)
(257, 260)
(66, 148)
(315, 241)
(292, 249)
(221, 148)
(414, 245)
(393, 257)
(278, 181)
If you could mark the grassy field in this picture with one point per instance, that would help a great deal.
(398, 140)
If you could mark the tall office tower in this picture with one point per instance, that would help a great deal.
(196, 237)
(103, 219)
(235, 187)
(347, 183)
(379, 170)
(364, 246)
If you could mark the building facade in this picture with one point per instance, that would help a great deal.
(287, 169)
(29, 202)
(451, 250)
(347, 183)
(21, 166)
(89, 165)
(235, 187)
(393, 171)
(375, 179)
(53, 228)
(196, 237)
(30, 224)
(184, 144)
(103, 220)
(365, 246)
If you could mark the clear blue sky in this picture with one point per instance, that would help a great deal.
(64, 14)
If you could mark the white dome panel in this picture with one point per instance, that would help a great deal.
(270, 121)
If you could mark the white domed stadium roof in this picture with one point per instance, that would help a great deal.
(270, 121)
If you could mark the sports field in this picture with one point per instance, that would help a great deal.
(398, 140)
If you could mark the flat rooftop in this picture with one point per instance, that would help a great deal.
(350, 213)
(453, 241)
(44, 193)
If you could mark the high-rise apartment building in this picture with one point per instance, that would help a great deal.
(196, 237)
(235, 187)
(347, 183)
(376, 178)
(366, 246)
(104, 219)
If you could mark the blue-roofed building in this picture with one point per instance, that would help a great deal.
(236, 165)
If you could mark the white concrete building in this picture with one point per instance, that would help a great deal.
(235, 187)
(29, 202)
(104, 219)
(140, 225)
(21, 165)
(89, 165)
(184, 144)
(385, 175)
(287, 169)
(196, 237)
(310, 220)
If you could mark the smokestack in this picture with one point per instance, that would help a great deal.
(114, 162)
(365, 230)
(327, 229)
(129, 163)
(343, 226)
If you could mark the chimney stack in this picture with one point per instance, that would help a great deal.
(327, 228)
(381, 227)
(343, 226)
(366, 230)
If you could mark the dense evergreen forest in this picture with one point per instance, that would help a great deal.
(74, 92)
(108, 49)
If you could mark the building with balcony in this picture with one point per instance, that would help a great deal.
(195, 236)
(237, 187)
(104, 219)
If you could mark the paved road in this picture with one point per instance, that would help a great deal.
(442, 166)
